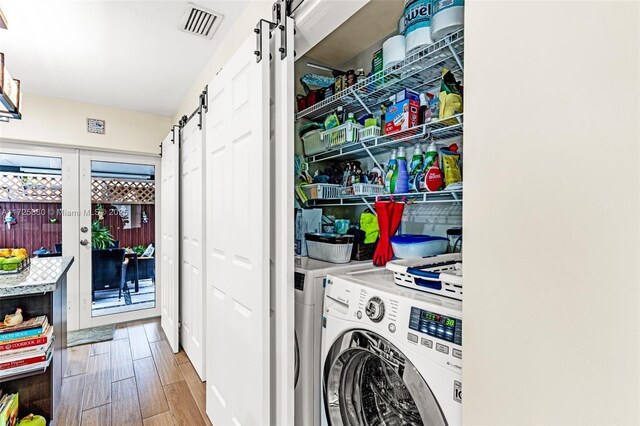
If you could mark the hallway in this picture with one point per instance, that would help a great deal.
(135, 379)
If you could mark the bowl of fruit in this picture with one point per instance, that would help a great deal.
(13, 261)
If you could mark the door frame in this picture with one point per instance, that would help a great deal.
(84, 261)
(70, 222)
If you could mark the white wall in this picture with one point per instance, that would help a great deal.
(551, 211)
(63, 122)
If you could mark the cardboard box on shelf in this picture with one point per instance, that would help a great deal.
(401, 116)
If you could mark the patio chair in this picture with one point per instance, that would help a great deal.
(109, 271)
(57, 247)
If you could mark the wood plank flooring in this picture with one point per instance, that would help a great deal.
(133, 380)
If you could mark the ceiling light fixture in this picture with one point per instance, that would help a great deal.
(10, 94)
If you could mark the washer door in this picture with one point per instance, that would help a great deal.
(368, 381)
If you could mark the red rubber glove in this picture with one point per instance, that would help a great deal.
(395, 217)
(381, 253)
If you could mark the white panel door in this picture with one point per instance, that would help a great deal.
(192, 287)
(170, 235)
(238, 210)
(282, 224)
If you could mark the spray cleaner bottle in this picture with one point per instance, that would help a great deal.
(392, 167)
(415, 167)
(400, 178)
(430, 180)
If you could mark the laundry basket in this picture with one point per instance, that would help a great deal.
(313, 142)
(441, 275)
(334, 248)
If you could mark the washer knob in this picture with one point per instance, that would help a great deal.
(375, 309)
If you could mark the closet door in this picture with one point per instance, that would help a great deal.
(238, 210)
(169, 231)
(192, 288)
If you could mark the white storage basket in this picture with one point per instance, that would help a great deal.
(313, 143)
(363, 189)
(370, 132)
(343, 134)
(320, 191)
(441, 275)
(334, 248)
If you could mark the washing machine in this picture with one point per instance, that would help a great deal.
(390, 355)
(309, 280)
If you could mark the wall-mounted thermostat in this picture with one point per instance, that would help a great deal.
(95, 126)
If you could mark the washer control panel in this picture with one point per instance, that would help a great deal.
(375, 309)
(436, 325)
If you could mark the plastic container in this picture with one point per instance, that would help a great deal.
(417, 23)
(343, 134)
(334, 248)
(441, 275)
(313, 143)
(363, 189)
(448, 17)
(321, 191)
(408, 246)
(370, 132)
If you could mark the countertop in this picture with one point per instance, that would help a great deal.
(42, 276)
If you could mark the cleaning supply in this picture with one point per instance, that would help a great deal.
(381, 255)
(351, 118)
(417, 23)
(430, 180)
(450, 96)
(447, 17)
(400, 178)
(451, 165)
(415, 168)
(390, 170)
(393, 51)
(331, 121)
(369, 224)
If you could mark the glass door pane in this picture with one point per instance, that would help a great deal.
(123, 236)
(30, 205)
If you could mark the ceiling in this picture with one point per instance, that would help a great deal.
(377, 19)
(123, 54)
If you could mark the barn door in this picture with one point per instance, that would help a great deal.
(192, 287)
(169, 231)
(238, 187)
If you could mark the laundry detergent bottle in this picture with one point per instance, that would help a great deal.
(430, 180)
(415, 167)
(389, 174)
(400, 178)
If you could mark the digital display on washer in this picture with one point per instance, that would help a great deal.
(436, 325)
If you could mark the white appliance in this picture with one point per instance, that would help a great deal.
(309, 280)
(390, 355)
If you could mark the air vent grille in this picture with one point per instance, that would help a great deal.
(200, 21)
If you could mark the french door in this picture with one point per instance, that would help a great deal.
(118, 225)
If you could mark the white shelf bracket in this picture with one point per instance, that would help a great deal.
(368, 204)
(375, 161)
(457, 58)
(456, 199)
(360, 100)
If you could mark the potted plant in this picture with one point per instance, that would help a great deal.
(101, 237)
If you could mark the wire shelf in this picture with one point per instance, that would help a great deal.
(421, 69)
(412, 198)
(447, 128)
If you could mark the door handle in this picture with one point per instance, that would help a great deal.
(84, 242)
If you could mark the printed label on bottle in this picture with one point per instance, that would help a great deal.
(431, 179)
(417, 14)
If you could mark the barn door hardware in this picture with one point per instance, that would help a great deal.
(258, 31)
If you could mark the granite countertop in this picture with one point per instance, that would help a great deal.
(41, 277)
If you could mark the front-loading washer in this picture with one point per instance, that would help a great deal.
(390, 355)
(310, 275)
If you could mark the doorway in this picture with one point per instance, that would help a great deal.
(117, 245)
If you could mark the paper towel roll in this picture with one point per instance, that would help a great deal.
(393, 51)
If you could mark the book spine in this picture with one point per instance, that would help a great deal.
(37, 341)
(24, 368)
(23, 362)
(20, 334)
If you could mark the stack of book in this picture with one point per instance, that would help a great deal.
(8, 409)
(25, 347)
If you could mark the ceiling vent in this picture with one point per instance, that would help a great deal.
(200, 21)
